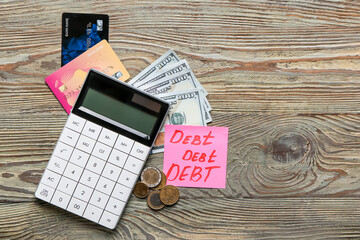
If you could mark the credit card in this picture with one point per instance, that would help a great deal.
(81, 31)
(66, 82)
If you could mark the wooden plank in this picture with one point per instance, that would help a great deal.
(213, 218)
(262, 68)
(231, 91)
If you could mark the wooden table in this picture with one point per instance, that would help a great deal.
(284, 76)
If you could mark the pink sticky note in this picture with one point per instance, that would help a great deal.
(195, 156)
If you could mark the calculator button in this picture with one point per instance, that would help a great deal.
(76, 206)
(99, 199)
(83, 192)
(63, 151)
(92, 213)
(105, 185)
(121, 192)
(115, 206)
(66, 185)
(50, 178)
(95, 164)
(91, 130)
(89, 178)
(73, 172)
(85, 144)
(75, 123)
(101, 151)
(69, 137)
(79, 158)
(56, 164)
(111, 172)
(44, 192)
(127, 178)
(140, 151)
(60, 199)
(117, 158)
(133, 165)
(124, 144)
(109, 220)
(108, 137)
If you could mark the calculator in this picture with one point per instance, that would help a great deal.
(102, 149)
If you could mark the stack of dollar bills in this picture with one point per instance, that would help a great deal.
(171, 79)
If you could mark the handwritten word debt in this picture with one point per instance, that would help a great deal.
(195, 156)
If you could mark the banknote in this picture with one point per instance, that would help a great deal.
(171, 70)
(168, 58)
(185, 109)
(180, 82)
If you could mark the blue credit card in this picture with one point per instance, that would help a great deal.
(81, 31)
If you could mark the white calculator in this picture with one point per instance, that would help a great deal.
(102, 149)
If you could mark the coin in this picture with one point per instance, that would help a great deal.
(169, 195)
(153, 200)
(141, 190)
(151, 176)
(163, 181)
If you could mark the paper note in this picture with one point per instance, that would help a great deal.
(195, 156)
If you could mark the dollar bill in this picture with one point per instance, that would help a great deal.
(180, 82)
(184, 80)
(168, 58)
(173, 69)
(185, 109)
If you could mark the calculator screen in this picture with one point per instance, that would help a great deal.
(120, 107)
(123, 112)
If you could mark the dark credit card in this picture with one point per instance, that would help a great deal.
(80, 32)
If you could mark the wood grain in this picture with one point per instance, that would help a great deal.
(193, 219)
(284, 76)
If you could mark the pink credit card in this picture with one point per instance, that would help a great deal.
(66, 82)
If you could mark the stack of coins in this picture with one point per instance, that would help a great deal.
(153, 186)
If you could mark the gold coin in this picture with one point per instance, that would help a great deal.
(163, 181)
(169, 195)
(151, 176)
(141, 190)
(153, 200)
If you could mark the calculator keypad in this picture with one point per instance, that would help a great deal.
(92, 171)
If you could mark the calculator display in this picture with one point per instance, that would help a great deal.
(119, 110)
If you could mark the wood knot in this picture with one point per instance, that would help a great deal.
(290, 148)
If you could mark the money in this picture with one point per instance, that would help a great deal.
(179, 82)
(169, 195)
(159, 196)
(141, 190)
(173, 80)
(154, 201)
(151, 176)
(175, 68)
(168, 58)
(163, 181)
